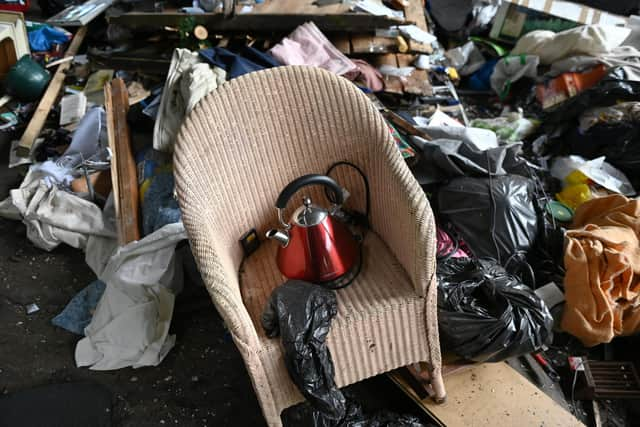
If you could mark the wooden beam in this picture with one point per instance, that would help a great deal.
(258, 22)
(48, 99)
(123, 167)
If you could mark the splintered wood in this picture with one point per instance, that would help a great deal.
(123, 168)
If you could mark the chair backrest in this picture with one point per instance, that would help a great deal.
(244, 142)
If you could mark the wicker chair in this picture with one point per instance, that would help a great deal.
(236, 150)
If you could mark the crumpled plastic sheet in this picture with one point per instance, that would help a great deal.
(301, 313)
(130, 326)
(487, 315)
(495, 216)
(43, 38)
(355, 416)
(53, 216)
(597, 170)
(510, 69)
(442, 159)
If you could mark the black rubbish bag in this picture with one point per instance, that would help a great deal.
(487, 315)
(301, 313)
(496, 216)
(355, 416)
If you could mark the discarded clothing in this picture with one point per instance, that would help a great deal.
(510, 69)
(301, 313)
(367, 75)
(236, 64)
(602, 262)
(130, 326)
(590, 40)
(54, 216)
(159, 207)
(78, 313)
(495, 216)
(306, 45)
(447, 247)
(487, 315)
(187, 82)
(43, 38)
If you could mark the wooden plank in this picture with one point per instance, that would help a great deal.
(490, 394)
(342, 42)
(284, 21)
(415, 12)
(392, 84)
(366, 44)
(123, 167)
(48, 99)
(418, 82)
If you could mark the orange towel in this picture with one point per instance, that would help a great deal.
(602, 262)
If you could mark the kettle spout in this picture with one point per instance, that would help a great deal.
(279, 236)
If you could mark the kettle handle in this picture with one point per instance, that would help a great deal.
(305, 180)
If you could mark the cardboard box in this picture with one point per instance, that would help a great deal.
(518, 17)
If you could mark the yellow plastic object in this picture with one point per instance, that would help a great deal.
(576, 177)
(574, 195)
(403, 47)
(453, 74)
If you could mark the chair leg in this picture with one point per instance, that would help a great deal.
(431, 379)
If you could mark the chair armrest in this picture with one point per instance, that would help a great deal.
(220, 275)
(402, 215)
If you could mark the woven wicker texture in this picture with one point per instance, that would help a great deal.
(235, 152)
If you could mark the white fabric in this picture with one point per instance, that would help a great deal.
(589, 40)
(130, 326)
(53, 216)
(188, 81)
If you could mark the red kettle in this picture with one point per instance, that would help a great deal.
(315, 246)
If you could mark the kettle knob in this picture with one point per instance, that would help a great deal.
(307, 202)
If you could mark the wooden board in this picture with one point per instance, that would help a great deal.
(272, 15)
(48, 99)
(124, 177)
(491, 394)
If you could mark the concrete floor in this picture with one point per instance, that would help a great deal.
(202, 381)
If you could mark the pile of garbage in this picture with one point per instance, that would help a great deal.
(524, 133)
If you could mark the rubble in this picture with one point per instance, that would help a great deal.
(515, 119)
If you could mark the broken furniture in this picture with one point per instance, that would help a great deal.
(14, 43)
(235, 151)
